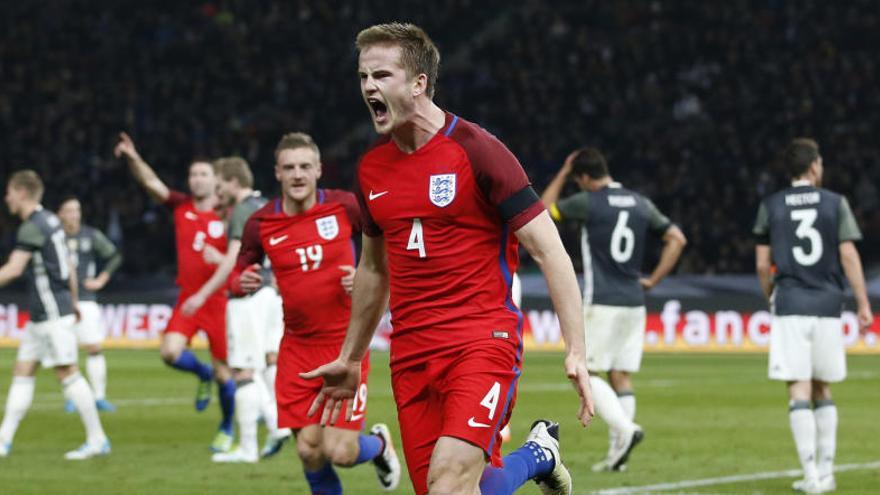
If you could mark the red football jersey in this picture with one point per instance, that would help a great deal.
(448, 212)
(193, 230)
(306, 251)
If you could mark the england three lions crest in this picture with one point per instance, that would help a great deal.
(442, 189)
(328, 227)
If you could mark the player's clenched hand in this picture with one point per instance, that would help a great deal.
(94, 284)
(348, 278)
(866, 319)
(341, 379)
(569, 162)
(576, 370)
(125, 148)
(251, 280)
(192, 304)
(646, 283)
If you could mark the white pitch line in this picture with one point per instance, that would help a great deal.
(768, 475)
(44, 405)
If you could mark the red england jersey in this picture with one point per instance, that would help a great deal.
(448, 213)
(193, 230)
(306, 251)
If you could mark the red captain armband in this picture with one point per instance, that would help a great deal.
(234, 282)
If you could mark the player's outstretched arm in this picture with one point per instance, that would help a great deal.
(541, 240)
(368, 301)
(762, 268)
(218, 279)
(852, 267)
(674, 242)
(14, 266)
(142, 172)
(554, 189)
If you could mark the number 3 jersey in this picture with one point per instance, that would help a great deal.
(306, 251)
(614, 226)
(448, 213)
(193, 230)
(804, 226)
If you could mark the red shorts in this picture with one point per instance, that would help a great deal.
(295, 395)
(211, 318)
(467, 395)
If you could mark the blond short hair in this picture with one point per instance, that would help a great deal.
(418, 54)
(30, 182)
(234, 167)
(294, 140)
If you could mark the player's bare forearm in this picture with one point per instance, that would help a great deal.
(762, 268)
(14, 267)
(852, 268)
(541, 240)
(674, 242)
(221, 274)
(369, 298)
(147, 178)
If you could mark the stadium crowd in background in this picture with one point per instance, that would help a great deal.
(690, 100)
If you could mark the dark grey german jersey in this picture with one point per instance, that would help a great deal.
(88, 248)
(804, 225)
(614, 226)
(48, 272)
(240, 214)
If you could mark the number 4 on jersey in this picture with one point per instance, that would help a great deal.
(417, 238)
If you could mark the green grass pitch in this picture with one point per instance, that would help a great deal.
(705, 416)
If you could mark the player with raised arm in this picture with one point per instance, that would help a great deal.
(89, 247)
(248, 319)
(614, 222)
(49, 339)
(809, 233)
(445, 205)
(306, 233)
(197, 226)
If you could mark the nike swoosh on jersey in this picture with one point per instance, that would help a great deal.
(356, 417)
(473, 424)
(273, 241)
(377, 195)
(190, 215)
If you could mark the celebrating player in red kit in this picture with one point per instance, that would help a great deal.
(307, 236)
(445, 205)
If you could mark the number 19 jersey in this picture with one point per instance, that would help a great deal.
(448, 213)
(804, 226)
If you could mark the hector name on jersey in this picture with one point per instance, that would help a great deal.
(448, 213)
(306, 251)
(193, 230)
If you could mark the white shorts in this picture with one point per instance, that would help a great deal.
(90, 327)
(807, 348)
(615, 336)
(274, 320)
(52, 343)
(249, 322)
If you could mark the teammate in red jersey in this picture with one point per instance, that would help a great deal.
(446, 204)
(306, 233)
(197, 225)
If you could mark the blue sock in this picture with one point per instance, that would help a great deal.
(521, 465)
(369, 446)
(187, 361)
(324, 481)
(227, 405)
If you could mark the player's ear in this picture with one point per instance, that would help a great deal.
(420, 85)
(319, 168)
(277, 173)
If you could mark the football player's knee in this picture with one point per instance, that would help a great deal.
(341, 454)
(448, 476)
(309, 451)
(168, 355)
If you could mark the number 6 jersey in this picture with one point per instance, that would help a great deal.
(804, 225)
(306, 251)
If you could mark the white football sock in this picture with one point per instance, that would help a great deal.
(628, 402)
(803, 428)
(247, 409)
(77, 390)
(96, 369)
(18, 401)
(608, 407)
(268, 411)
(826, 436)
